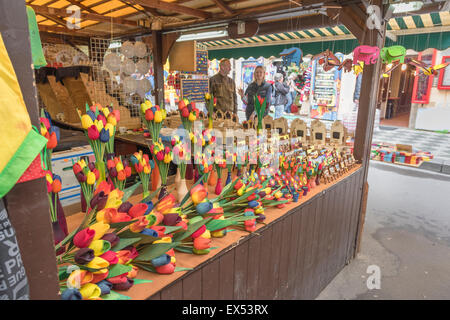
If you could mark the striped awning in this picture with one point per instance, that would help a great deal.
(412, 31)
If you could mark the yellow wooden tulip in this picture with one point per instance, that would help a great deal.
(98, 263)
(43, 130)
(99, 125)
(164, 240)
(49, 178)
(144, 107)
(86, 121)
(105, 112)
(206, 235)
(90, 291)
(119, 166)
(90, 178)
(100, 217)
(192, 117)
(112, 120)
(110, 127)
(99, 247)
(158, 116)
(100, 229)
(148, 103)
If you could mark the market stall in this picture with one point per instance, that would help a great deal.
(311, 231)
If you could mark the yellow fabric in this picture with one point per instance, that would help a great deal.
(14, 119)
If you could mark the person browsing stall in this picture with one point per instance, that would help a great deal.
(259, 87)
(223, 88)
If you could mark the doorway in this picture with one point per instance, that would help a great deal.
(397, 93)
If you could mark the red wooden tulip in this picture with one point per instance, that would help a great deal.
(83, 238)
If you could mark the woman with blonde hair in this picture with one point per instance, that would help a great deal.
(259, 87)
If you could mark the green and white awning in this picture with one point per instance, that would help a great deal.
(414, 32)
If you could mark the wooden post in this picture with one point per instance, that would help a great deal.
(27, 202)
(367, 107)
(158, 68)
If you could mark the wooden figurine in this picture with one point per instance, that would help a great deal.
(318, 132)
(337, 133)
(298, 130)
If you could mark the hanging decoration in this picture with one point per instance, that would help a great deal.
(366, 54)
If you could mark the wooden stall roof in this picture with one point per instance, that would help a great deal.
(102, 18)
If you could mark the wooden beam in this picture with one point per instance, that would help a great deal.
(168, 40)
(266, 7)
(349, 20)
(158, 69)
(169, 6)
(366, 113)
(82, 6)
(43, 10)
(74, 32)
(56, 20)
(225, 8)
(152, 11)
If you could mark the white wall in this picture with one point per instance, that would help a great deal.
(436, 114)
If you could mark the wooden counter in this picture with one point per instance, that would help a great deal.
(294, 255)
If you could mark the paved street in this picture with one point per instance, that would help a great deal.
(406, 234)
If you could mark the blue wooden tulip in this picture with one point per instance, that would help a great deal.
(104, 135)
(203, 207)
(71, 294)
(228, 178)
(161, 260)
(150, 232)
(92, 115)
(150, 207)
(253, 204)
(105, 286)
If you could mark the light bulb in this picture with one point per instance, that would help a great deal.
(404, 66)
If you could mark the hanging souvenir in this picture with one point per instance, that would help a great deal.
(427, 69)
(327, 59)
(393, 53)
(366, 54)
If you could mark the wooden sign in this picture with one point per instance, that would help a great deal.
(318, 132)
(183, 56)
(268, 123)
(281, 126)
(337, 133)
(298, 130)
